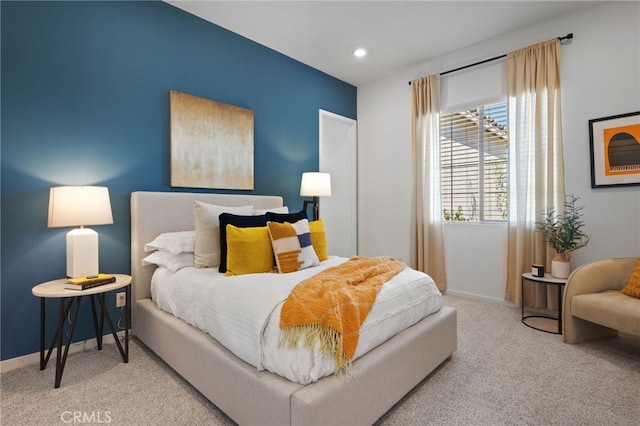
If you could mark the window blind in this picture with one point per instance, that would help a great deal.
(474, 160)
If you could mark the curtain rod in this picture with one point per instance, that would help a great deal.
(567, 37)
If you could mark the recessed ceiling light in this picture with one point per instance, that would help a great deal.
(359, 53)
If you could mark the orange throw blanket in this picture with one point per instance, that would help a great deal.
(329, 308)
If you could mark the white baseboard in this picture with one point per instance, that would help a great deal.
(34, 358)
(480, 298)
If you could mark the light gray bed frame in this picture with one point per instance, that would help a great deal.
(250, 397)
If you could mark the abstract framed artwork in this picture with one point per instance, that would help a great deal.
(615, 150)
(211, 144)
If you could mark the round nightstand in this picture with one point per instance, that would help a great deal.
(546, 280)
(56, 289)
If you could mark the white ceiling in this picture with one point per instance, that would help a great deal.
(396, 34)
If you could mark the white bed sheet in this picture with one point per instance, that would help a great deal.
(243, 313)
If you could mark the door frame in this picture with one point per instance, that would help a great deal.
(347, 191)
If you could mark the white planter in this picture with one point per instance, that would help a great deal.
(560, 269)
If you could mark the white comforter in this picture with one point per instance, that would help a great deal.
(243, 313)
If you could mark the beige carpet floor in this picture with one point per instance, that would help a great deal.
(503, 373)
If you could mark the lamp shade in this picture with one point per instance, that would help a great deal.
(79, 206)
(315, 184)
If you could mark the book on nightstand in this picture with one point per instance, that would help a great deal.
(84, 283)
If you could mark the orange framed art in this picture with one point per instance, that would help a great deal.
(615, 150)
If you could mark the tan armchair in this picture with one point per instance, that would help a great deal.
(593, 306)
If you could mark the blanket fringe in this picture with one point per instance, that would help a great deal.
(325, 339)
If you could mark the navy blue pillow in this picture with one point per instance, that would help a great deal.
(287, 217)
(240, 222)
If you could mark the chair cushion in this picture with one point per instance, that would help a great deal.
(611, 309)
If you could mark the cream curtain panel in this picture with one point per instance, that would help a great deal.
(426, 154)
(536, 176)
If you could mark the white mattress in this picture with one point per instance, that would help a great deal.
(243, 313)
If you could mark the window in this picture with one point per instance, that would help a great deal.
(474, 164)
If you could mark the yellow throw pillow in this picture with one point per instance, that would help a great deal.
(319, 239)
(248, 250)
(291, 243)
(633, 284)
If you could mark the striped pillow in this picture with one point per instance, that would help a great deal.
(292, 246)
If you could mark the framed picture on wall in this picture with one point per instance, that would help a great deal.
(615, 150)
(211, 143)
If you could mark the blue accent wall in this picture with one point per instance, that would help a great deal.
(85, 101)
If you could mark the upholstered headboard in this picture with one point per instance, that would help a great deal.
(155, 212)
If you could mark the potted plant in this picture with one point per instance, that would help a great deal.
(563, 232)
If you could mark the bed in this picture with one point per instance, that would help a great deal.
(377, 380)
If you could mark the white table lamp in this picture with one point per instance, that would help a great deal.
(315, 184)
(80, 206)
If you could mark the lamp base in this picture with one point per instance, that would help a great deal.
(316, 207)
(82, 253)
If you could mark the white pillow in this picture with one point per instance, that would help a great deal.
(207, 242)
(172, 262)
(173, 242)
(283, 209)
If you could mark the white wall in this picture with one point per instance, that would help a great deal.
(600, 76)
(476, 261)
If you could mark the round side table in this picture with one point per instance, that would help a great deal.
(546, 280)
(56, 289)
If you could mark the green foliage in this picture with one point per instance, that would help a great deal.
(563, 232)
(502, 202)
(457, 216)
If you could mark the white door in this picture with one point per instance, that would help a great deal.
(338, 157)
